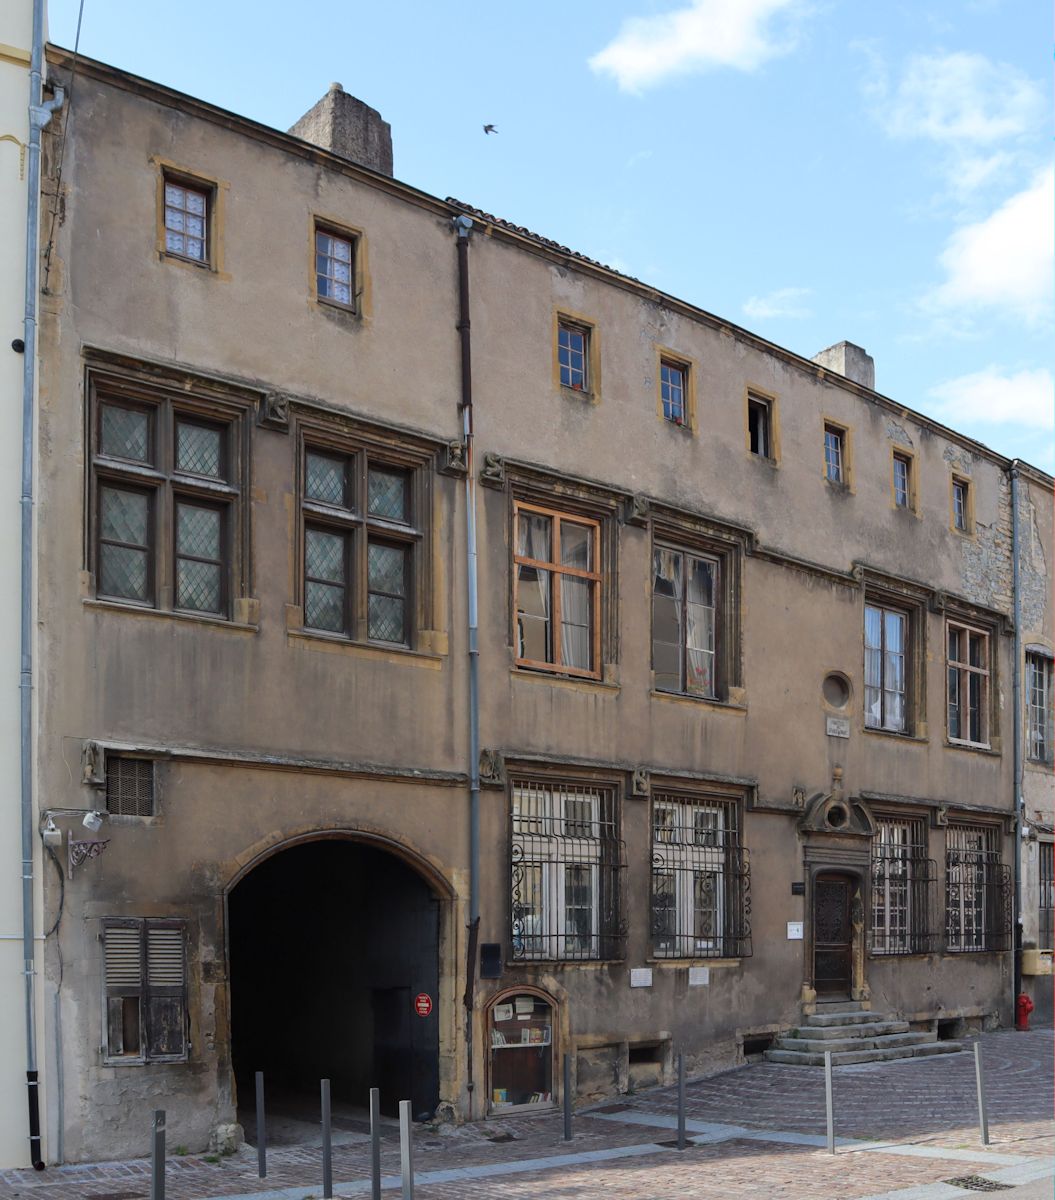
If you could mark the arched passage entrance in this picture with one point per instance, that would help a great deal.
(330, 942)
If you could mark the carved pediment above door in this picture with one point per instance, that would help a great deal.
(833, 813)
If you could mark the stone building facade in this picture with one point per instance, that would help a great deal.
(745, 651)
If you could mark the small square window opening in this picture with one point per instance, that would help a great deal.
(186, 221)
(572, 357)
(335, 268)
(672, 381)
(759, 427)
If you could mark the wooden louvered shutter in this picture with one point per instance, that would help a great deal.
(166, 991)
(123, 973)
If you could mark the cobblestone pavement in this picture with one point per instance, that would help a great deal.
(922, 1110)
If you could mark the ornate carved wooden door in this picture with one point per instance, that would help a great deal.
(832, 935)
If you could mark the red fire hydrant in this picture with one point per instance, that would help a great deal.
(1023, 1007)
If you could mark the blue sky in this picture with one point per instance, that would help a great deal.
(811, 169)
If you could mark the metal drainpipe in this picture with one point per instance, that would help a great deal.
(1016, 692)
(463, 227)
(39, 116)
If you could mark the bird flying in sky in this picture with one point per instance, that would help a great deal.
(490, 129)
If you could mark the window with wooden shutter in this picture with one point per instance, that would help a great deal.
(144, 963)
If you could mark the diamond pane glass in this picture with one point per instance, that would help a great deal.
(387, 495)
(125, 433)
(197, 585)
(324, 556)
(325, 479)
(199, 450)
(198, 531)
(123, 572)
(386, 569)
(324, 607)
(123, 516)
(386, 619)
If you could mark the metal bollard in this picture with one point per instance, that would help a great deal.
(157, 1157)
(327, 1149)
(681, 1102)
(979, 1074)
(261, 1128)
(375, 1144)
(406, 1146)
(828, 1100)
(567, 1097)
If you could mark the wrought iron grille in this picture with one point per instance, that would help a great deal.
(1046, 932)
(129, 786)
(904, 889)
(977, 891)
(701, 879)
(566, 872)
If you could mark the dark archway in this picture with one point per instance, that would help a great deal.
(330, 941)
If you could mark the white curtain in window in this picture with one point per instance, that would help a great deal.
(699, 628)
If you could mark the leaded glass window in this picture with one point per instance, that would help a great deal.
(199, 449)
(360, 542)
(199, 558)
(125, 551)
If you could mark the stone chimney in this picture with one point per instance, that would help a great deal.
(348, 127)
(851, 361)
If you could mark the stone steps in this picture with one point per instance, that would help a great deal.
(853, 1036)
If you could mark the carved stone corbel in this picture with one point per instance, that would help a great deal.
(493, 473)
(492, 769)
(640, 785)
(93, 765)
(452, 460)
(273, 411)
(636, 510)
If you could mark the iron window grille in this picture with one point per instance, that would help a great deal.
(573, 356)
(145, 984)
(567, 864)
(361, 542)
(701, 879)
(557, 590)
(166, 503)
(886, 661)
(968, 685)
(673, 389)
(977, 891)
(685, 616)
(904, 889)
(129, 786)
(1039, 707)
(1046, 906)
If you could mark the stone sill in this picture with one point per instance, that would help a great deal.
(171, 615)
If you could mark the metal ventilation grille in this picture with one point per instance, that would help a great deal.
(123, 950)
(164, 956)
(129, 786)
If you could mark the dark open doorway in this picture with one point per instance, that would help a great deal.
(330, 942)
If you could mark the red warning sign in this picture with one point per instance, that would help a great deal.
(423, 1004)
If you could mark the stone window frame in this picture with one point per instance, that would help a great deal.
(564, 319)
(754, 396)
(1040, 717)
(216, 192)
(961, 485)
(670, 360)
(166, 487)
(843, 433)
(362, 448)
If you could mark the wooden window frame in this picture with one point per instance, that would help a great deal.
(215, 191)
(961, 482)
(577, 322)
(717, 672)
(595, 578)
(756, 399)
(1040, 716)
(354, 238)
(144, 992)
(842, 433)
(668, 360)
(964, 671)
(362, 528)
(166, 487)
(884, 606)
(899, 454)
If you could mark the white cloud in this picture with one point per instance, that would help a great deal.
(958, 97)
(708, 33)
(1004, 262)
(992, 397)
(784, 302)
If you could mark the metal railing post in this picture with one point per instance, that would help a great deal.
(828, 1100)
(261, 1128)
(375, 1144)
(979, 1074)
(567, 1097)
(406, 1146)
(157, 1157)
(681, 1102)
(327, 1149)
